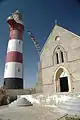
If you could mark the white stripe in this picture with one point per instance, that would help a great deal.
(15, 45)
(11, 70)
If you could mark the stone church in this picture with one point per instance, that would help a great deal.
(59, 67)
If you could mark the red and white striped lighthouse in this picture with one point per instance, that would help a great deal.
(13, 74)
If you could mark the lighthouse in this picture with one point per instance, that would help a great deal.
(13, 73)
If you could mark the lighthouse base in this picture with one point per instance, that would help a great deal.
(13, 83)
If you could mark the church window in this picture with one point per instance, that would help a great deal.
(59, 55)
(58, 48)
(57, 38)
(62, 58)
(57, 58)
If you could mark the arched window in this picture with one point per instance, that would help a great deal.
(62, 57)
(57, 58)
(59, 55)
(57, 38)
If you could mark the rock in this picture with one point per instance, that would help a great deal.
(20, 102)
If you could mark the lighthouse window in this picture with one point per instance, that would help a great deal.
(6, 66)
(18, 70)
(19, 42)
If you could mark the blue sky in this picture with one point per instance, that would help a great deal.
(39, 16)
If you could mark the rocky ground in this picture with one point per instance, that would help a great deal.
(29, 113)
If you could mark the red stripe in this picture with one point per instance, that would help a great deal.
(20, 27)
(14, 56)
(14, 25)
(16, 34)
(16, 31)
(11, 22)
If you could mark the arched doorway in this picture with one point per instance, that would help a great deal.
(62, 80)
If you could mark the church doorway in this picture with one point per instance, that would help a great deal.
(64, 84)
(62, 80)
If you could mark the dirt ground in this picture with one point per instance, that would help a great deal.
(29, 113)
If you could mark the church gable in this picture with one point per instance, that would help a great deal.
(53, 39)
(60, 37)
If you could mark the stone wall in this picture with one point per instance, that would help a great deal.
(15, 92)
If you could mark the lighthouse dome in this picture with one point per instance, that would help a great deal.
(10, 17)
(17, 16)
